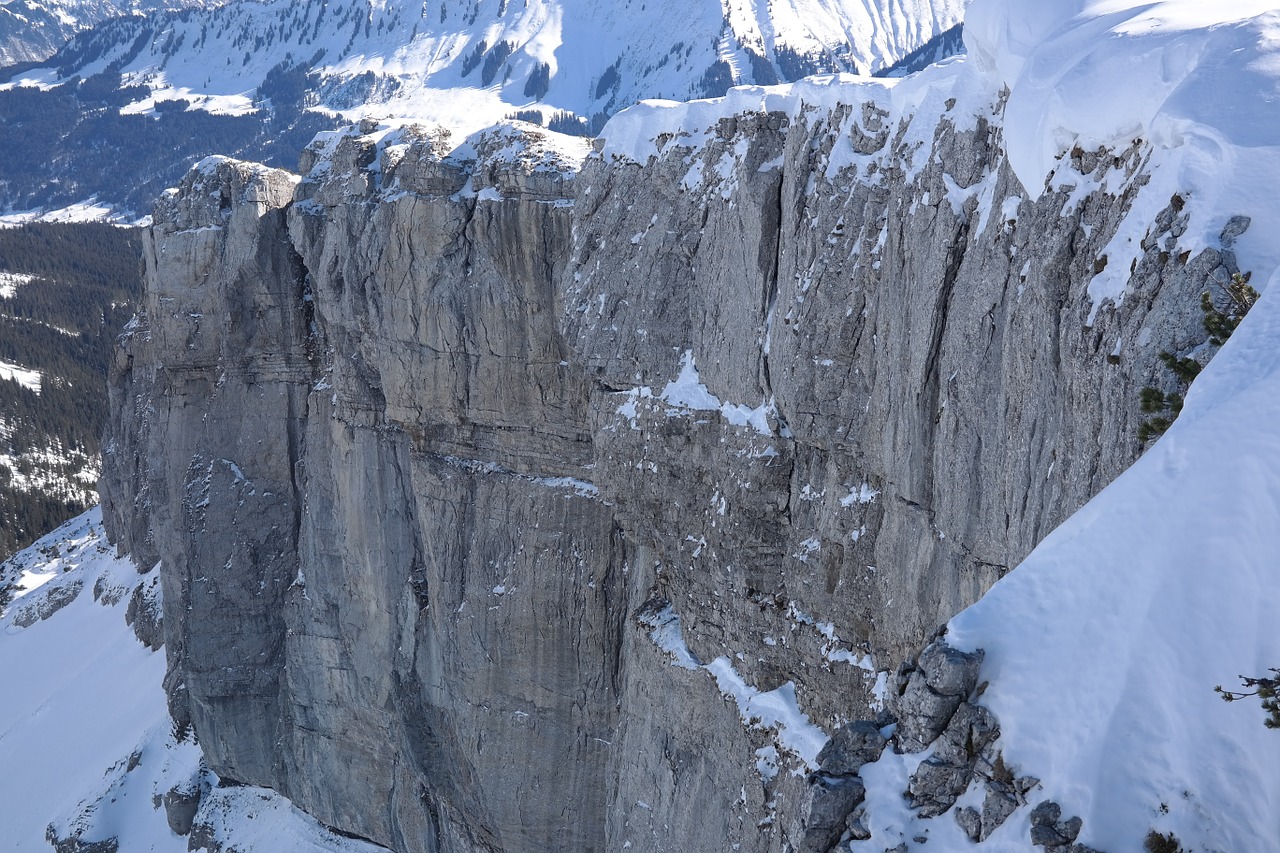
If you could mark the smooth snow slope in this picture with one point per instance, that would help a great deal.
(438, 61)
(85, 736)
(80, 692)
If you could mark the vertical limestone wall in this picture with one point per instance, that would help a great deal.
(490, 485)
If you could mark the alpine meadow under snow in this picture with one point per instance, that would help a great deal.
(1102, 649)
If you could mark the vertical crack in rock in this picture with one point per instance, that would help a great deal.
(770, 263)
(930, 393)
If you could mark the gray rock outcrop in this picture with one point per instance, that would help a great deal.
(1049, 830)
(935, 690)
(825, 807)
(144, 613)
(940, 780)
(420, 437)
(852, 746)
(46, 602)
(180, 807)
(1003, 796)
(73, 844)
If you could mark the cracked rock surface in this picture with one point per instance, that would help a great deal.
(418, 435)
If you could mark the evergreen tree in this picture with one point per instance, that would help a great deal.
(1266, 688)
(71, 289)
(1221, 317)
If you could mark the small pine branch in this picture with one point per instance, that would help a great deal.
(1266, 688)
(1242, 296)
(1221, 318)
(1152, 400)
(1186, 369)
(1153, 428)
(1238, 297)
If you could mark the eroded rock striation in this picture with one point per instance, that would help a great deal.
(493, 486)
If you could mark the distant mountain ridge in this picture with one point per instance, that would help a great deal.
(256, 79)
(583, 56)
(32, 31)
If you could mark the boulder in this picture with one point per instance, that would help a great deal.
(943, 679)
(851, 747)
(936, 785)
(1234, 229)
(942, 778)
(1048, 830)
(828, 804)
(971, 822)
(948, 671)
(857, 823)
(180, 806)
(996, 808)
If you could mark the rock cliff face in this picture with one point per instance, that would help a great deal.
(508, 501)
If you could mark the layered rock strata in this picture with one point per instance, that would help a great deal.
(507, 501)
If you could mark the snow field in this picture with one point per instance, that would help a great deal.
(24, 376)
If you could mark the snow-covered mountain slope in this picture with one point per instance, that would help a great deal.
(34, 30)
(256, 80)
(86, 742)
(947, 44)
(468, 64)
(1103, 648)
(81, 693)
